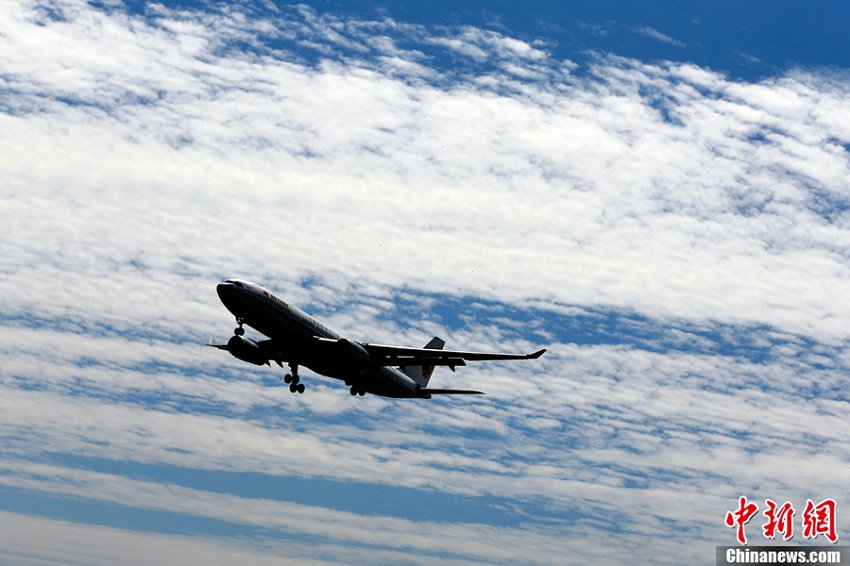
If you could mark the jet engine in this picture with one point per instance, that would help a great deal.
(354, 353)
(247, 350)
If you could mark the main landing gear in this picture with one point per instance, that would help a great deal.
(295, 385)
(357, 390)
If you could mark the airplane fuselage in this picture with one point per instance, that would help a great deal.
(308, 342)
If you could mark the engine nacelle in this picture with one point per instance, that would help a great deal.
(355, 354)
(246, 350)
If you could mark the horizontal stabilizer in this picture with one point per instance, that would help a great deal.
(428, 392)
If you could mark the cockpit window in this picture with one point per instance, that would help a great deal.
(235, 282)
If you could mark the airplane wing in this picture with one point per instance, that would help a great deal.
(401, 356)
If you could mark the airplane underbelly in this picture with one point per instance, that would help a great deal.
(271, 322)
(390, 383)
(384, 381)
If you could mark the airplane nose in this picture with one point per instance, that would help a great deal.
(224, 290)
(228, 295)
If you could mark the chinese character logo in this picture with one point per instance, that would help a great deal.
(817, 519)
(781, 519)
(820, 520)
(741, 517)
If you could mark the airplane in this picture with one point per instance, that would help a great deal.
(298, 339)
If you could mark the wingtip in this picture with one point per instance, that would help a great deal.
(537, 354)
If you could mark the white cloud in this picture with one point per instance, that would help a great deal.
(482, 44)
(649, 31)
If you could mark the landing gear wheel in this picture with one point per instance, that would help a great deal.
(353, 390)
(294, 381)
(239, 331)
(361, 391)
(292, 376)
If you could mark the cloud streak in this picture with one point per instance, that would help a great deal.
(653, 33)
(653, 180)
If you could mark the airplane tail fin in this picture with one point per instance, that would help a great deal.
(422, 374)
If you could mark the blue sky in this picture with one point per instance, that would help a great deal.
(744, 39)
(655, 192)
